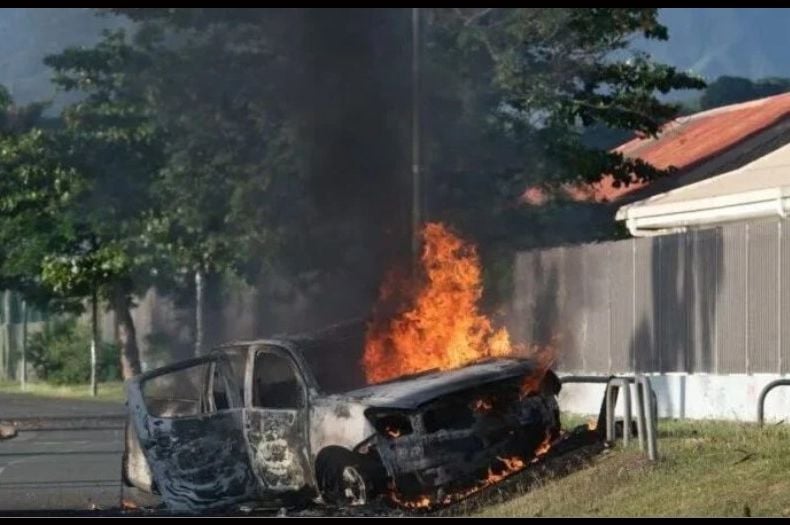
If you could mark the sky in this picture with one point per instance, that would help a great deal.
(726, 41)
(708, 41)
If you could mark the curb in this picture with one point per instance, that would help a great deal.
(107, 421)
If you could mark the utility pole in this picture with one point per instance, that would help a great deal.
(23, 375)
(6, 334)
(94, 339)
(416, 211)
(200, 299)
(94, 326)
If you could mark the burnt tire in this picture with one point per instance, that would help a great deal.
(344, 478)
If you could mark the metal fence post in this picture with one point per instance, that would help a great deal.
(626, 413)
(640, 415)
(763, 393)
(650, 408)
(611, 387)
(646, 408)
(610, 403)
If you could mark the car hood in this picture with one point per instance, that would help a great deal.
(411, 392)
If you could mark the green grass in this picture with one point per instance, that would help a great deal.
(705, 468)
(112, 391)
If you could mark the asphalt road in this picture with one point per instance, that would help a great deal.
(62, 463)
(27, 406)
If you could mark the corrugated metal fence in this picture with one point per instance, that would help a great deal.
(713, 300)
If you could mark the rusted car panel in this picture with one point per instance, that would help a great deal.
(254, 423)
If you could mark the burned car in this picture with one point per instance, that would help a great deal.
(292, 417)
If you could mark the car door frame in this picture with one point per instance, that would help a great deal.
(304, 457)
(222, 430)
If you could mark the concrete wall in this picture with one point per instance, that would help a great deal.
(706, 313)
(694, 396)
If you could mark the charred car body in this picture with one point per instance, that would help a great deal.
(292, 417)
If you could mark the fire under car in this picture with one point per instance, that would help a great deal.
(291, 419)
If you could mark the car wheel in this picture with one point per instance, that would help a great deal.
(343, 480)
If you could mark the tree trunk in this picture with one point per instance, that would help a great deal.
(200, 305)
(94, 341)
(127, 336)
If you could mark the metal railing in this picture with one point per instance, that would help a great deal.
(646, 408)
(763, 393)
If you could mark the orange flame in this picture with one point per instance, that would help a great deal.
(441, 328)
(509, 466)
(513, 463)
(543, 448)
(421, 502)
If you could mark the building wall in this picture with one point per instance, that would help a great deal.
(711, 306)
(694, 396)
(712, 301)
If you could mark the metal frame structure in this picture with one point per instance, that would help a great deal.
(646, 408)
(763, 393)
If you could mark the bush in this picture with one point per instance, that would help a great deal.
(61, 354)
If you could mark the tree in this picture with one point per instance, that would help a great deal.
(77, 195)
(14, 121)
(731, 90)
(227, 153)
(205, 152)
(257, 174)
(111, 142)
(508, 94)
(512, 93)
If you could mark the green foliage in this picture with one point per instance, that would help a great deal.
(61, 354)
(76, 193)
(507, 95)
(36, 191)
(731, 90)
(520, 88)
(177, 133)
